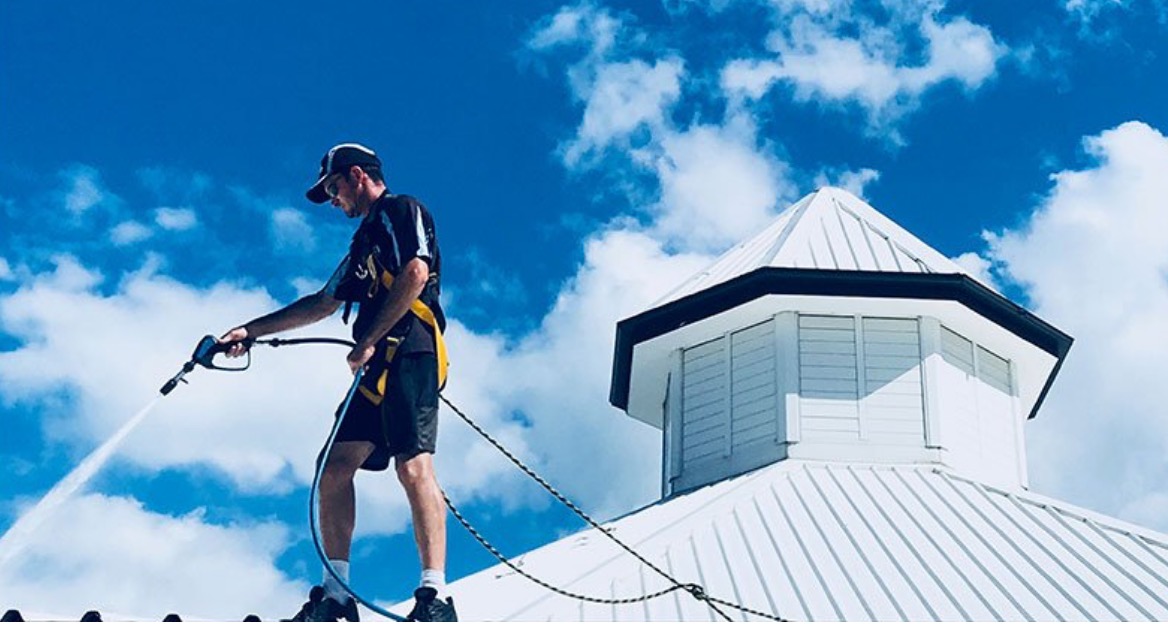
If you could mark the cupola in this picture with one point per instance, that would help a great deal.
(835, 335)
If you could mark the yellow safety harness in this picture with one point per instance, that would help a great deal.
(377, 393)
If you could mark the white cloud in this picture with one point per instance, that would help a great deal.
(176, 219)
(978, 267)
(1091, 15)
(129, 232)
(291, 232)
(716, 186)
(83, 190)
(829, 51)
(715, 183)
(5, 270)
(583, 22)
(63, 315)
(1088, 10)
(623, 98)
(306, 285)
(1094, 260)
(112, 554)
(851, 181)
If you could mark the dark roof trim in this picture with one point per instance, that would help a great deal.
(781, 281)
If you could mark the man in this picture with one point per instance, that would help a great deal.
(392, 274)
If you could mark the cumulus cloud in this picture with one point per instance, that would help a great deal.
(829, 51)
(1086, 11)
(715, 182)
(129, 232)
(625, 97)
(112, 554)
(83, 190)
(175, 219)
(1093, 258)
(717, 186)
(5, 270)
(580, 23)
(291, 232)
(978, 267)
(851, 181)
(1098, 19)
(147, 324)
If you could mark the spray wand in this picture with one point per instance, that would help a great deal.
(210, 346)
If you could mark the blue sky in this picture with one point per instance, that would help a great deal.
(580, 159)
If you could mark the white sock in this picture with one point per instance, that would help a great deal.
(332, 588)
(435, 579)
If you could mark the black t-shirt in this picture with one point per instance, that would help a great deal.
(397, 229)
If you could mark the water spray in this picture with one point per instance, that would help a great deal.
(15, 539)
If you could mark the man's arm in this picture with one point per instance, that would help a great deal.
(406, 288)
(304, 311)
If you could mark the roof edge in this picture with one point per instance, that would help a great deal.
(764, 281)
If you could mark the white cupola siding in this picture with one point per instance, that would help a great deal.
(835, 335)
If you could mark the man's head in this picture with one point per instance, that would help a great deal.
(350, 178)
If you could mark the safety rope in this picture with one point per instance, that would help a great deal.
(695, 590)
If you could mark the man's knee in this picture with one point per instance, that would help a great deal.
(416, 471)
(344, 461)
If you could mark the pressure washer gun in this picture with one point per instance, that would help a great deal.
(204, 356)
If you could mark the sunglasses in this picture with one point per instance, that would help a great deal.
(330, 189)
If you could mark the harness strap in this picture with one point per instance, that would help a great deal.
(426, 315)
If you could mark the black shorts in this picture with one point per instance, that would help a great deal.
(406, 420)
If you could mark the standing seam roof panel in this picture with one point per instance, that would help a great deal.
(1141, 573)
(997, 569)
(891, 553)
(1047, 586)
(883, 600)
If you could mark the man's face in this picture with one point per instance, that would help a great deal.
(343, 194)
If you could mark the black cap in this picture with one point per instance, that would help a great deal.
(337, 160)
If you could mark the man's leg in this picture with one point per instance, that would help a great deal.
(337, 506)
(427, 507)
(338, 501)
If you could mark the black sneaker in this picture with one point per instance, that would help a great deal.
(427, 607)
(320, 608)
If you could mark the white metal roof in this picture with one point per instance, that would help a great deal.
(828, 229)
(815, 541)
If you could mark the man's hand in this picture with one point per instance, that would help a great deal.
(358, 357)
(236, 339)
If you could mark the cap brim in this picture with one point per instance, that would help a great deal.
(316, 194)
